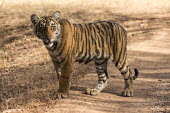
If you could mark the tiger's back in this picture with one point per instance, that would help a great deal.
(99, 40)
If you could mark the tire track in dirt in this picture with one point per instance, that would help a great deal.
(157, 50)
(159, 43)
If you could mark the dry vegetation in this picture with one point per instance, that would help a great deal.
(27, 76)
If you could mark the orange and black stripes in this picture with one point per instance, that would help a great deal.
(99, 40)
(92, 41)
(102, 40)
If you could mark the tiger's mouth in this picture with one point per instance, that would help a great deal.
(48, 43)
(51, 43)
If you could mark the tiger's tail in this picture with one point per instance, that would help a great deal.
(136, 74)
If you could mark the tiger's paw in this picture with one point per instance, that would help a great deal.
(92, 91)
(127, 93)
(62, 95)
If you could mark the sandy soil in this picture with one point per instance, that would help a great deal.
(28, 77)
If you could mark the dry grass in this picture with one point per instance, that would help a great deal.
(27, 78)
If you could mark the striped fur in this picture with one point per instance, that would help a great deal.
(84, 43)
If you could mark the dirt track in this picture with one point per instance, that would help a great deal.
(27, 79)
(151, 56)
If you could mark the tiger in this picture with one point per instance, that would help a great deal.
(68, 43)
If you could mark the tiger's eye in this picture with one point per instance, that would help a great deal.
(52, 24)
(42, 24)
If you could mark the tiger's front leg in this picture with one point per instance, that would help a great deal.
(64, 81)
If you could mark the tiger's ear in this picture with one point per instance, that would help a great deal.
(34, 18)
(56, 15)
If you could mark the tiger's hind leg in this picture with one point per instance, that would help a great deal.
(128, 78)
(101, 68)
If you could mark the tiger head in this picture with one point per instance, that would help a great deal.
(47, 28)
